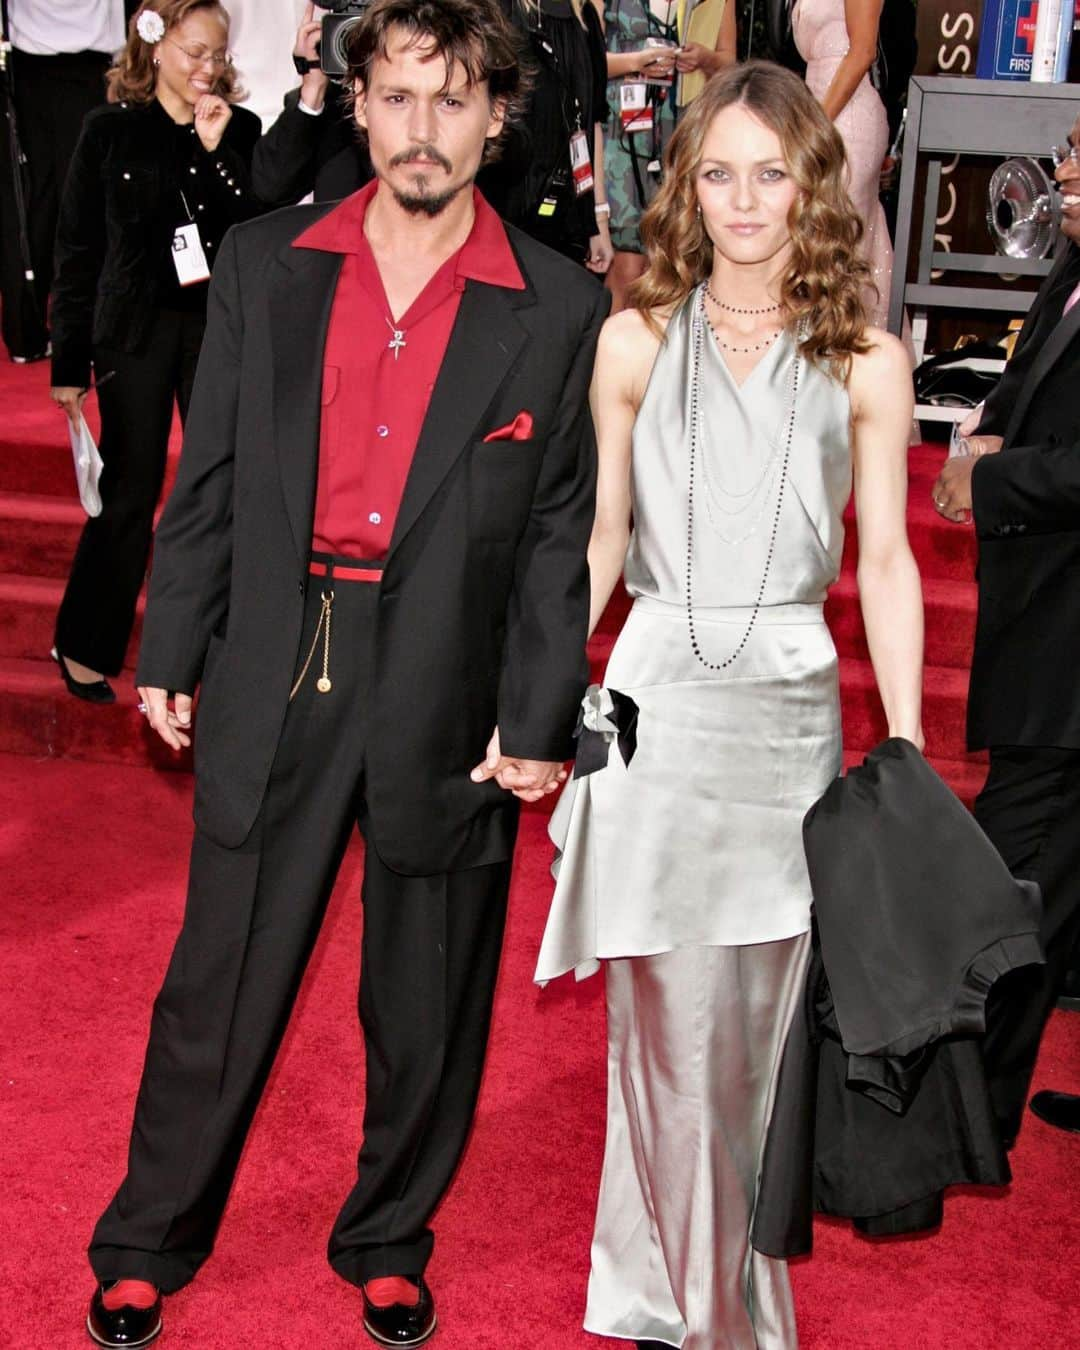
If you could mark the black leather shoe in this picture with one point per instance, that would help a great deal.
(125, 1325)
(399, 1324)
(1060, 1109)
(92, 691)
(1069, 993)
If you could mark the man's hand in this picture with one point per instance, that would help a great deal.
(952, 491)
(314, 84)
(695, 57)
(173, 726)
(212, 116)
(527, 779)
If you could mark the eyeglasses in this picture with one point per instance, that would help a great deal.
(1062, 154)
(198, 56)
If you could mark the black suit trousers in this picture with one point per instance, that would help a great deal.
(430, 956)
(52, 96)
(1030, 809)
(98, 609)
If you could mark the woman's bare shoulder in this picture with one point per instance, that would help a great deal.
(629, 343)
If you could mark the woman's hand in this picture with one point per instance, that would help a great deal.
(69, 399)
(212, 116)
(601, 253)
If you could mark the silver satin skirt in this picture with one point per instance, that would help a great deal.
(695, 1038)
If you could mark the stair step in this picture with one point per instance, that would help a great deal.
(41, 718)
(39, 533)
(944, 709)
(28, 608)
(950, 620)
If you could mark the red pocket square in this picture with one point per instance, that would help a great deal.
(520, 429)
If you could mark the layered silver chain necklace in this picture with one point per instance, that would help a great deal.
(698, 324)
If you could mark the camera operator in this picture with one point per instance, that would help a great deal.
(55, 73)
(313, 146)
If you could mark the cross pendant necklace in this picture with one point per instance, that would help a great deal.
(397, 341)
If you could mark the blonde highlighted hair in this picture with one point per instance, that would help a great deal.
(823, 290)
(133, 77)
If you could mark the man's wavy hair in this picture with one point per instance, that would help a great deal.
(824, 288)
(133, 77)
(474, 33)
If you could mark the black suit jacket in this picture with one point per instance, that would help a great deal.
(483, 607)
(301, 153)
(119, 209)
(1024, 689)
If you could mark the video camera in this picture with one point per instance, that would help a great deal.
(336, 26)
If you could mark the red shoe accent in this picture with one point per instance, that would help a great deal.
(391, 1289)
(129, 1294)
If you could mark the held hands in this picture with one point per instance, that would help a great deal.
(527, 779)
(69, 399)
(172, 725)
(212, 116)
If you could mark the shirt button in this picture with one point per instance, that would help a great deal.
(193, 169)
(382, 431)
(127, 175)
(375, 518)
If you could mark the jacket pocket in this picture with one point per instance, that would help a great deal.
(131, 191)
(502, 479)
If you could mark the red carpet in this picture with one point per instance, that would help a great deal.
(96, 851)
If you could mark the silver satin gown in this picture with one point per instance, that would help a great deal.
(684, 872)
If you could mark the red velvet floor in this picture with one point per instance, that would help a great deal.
(94, 859)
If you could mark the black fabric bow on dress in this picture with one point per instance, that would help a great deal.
(605, 716)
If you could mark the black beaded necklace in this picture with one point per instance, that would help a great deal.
(734, 309)
(698, 321)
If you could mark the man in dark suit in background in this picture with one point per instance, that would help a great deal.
(1021, 486)
(374, 563)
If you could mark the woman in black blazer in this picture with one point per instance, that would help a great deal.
(160, 173)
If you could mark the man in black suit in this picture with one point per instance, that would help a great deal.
(374, 564)
(1021, 486)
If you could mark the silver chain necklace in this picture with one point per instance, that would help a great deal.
(698, 322)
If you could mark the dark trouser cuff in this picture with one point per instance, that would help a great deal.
(164, 1272)
(374, 1263)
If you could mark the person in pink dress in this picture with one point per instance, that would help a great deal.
(838, 41)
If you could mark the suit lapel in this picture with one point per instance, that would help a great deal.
(299, 317)
(1054, 346)
(486, 339)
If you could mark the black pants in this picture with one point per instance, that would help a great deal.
(429, 961)
(52, 96)
(98, 609)
(1030, 809)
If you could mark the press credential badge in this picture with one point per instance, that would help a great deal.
(580, 163)
(189, 257)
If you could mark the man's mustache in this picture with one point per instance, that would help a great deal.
(416, 152)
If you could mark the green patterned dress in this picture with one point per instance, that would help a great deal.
(632, 160)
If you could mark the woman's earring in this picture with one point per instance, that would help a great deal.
(158, 63)
(698, 208)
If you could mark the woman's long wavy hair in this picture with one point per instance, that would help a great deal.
(133, 78)
(823, 289)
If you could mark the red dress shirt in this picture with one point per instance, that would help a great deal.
(375, 397)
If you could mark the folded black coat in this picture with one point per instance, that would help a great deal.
(881, 1101)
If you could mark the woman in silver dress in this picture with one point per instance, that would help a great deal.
(735, 404)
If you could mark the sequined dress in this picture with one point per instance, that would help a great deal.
(822, 39)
